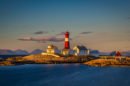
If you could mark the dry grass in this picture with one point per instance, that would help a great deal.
(108, 62)
(44, 59)
(47, 59)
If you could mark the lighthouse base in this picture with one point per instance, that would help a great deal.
(66, 52)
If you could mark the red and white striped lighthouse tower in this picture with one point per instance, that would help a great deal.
(67, 44)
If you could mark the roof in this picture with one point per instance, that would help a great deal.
(81, 47)
(51, 47)
(118, 53)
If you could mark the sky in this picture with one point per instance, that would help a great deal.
(33, 24)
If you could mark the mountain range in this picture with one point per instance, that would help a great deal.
(19, 52)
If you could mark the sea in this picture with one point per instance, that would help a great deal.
(8, 56)
(63, 75)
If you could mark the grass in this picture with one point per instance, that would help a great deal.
(44, 59)
(108, 62)
(47, 59)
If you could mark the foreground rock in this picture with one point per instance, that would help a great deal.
(108, 62)
(6, 63)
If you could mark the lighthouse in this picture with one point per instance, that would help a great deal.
(66, 50)
(66, 43)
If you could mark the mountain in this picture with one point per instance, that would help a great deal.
(11, 52)
(6, 52)
(105, 53)
(113, 53)
(95, 53)
(126, 53)
(36, 51)
(20, 52)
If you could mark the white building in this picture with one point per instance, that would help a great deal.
(80, 51)
(51, 49)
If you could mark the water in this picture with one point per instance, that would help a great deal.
(63, 75)
(7, 56)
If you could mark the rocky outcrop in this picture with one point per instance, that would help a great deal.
(43, 59)
(108, 62)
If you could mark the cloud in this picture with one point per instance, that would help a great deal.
(61, 33)
(25, 39)
(85, 32)
(56, 38)
(42, 39)
(40, 32)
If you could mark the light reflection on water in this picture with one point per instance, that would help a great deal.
(63, 75)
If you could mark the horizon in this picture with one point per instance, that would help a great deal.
(102, 25)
